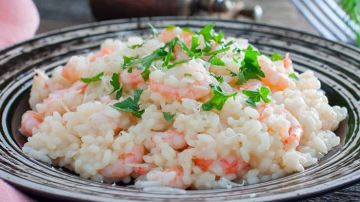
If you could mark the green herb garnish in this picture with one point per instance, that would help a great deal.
(131, 104)
(293, 76)
(135, 46)
(117, 89)
(188, 75)
(250, 68)
(216, 61)
(256, 96)
(168, 116)
(219, 78)
(154, 31)
(93, 79)
(276, 57)
(218, 99)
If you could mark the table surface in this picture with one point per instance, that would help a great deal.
(70, 12)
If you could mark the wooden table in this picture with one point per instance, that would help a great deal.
(55, 15)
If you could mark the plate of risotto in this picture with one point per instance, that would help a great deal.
(179, 109)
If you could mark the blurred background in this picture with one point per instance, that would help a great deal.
(334, 19)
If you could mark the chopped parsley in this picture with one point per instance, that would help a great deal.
(154, 31)
(207, 33)
(170, 27)
(168, 116)
(219, 78)
(135, 46)
(215, 52)
(276, 57)
(256, 96)
(188, 75)
(117, 89)
(250, 68)
(218, 99)
(216, 61)
(145, 62)
(93, 79)
(293, 76)
(131, 104)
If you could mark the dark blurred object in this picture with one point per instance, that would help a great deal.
(112, 9)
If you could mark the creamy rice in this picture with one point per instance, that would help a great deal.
(173, 111)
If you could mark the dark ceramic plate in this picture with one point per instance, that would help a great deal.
(337, 66)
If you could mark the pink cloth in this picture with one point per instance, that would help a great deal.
(9, 194)
(19, 20)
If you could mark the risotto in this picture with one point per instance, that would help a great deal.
(179, 109)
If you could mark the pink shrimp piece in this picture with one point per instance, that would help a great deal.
(142, 170)
(169, 177)
(134, 78)
(198, 90)
(72, 70)
(168, 34)
(222, 166)
(101, 53)
(251, 85)
(29, 121)
(196, 87)
(277, 81)
(175, 139)
(293, 133)
(62, 100)
(122, 167)
(287, 61)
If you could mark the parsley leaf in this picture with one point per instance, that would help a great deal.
(187, 75)
(131, 104)
(219, 78)
(256, 96)
(170, 27)
(154, 31)
(218, 100)
(294, 76)
(168, 116)
(116, 86)
(207, 33)
(135, 46)
(93, 79)
(146, 61)
(215, 52)
(216, 61)
(218, 37)
(250, 68)
(276, 57)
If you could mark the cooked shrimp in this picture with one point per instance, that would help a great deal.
(29, 121)
(141, 169)
(290, 134)
(274, 79)
(287, 61)
(40, 88)
(133, 79)
(175, 85)
(222, 166)
(62, 100)
(73, 70)
(168, 34)
(251, 85)
(122, 167)
(101, 53)
(175, 139)
(169, 177)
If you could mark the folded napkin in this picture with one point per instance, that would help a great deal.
(9, 194)
(19, 20)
